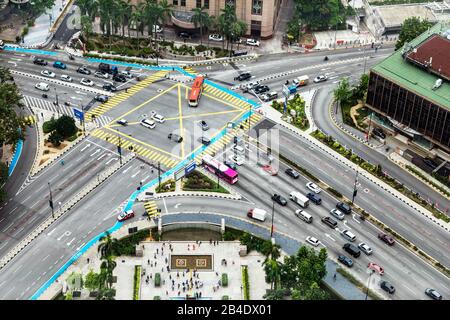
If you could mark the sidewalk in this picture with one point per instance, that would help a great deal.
(40, 32)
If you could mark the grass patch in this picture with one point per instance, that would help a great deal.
(167, 186)
(245, 283)
(197, 181)
(334, 192)
(357, 283)
(137, 282)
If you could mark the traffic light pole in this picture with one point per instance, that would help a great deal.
(354, 187)
(50, 201)
(159, 175)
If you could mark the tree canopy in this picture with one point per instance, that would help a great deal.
(412, 28)
(320, 14)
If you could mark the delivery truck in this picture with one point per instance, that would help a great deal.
(301, 81)
(257, 214)
(298, 198)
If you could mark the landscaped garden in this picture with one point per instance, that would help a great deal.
(295, 111)
(197, 181)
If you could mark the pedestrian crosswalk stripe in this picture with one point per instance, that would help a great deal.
(151, 208)
(114, 101)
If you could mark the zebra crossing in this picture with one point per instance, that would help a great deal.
(226, 97)
(37, 103)
(124, 95)
(225, 140)
(190, 70)
(145, 152)
(151, 208)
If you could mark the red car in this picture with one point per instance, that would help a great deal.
(386, 238)
(270, 170)
(126, 215)
(376, 268)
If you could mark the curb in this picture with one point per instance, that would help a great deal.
(199, 194)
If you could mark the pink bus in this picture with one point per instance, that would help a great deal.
(219, 169)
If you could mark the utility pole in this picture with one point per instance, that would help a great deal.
(50, 201)
(368, 283)
(84, 120)
(56, 96)
(368, 129)
(159, 175)
(354, 187)
(119, 149)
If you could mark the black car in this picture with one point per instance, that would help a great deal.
(346, 261)
(109, 87)
(184, 35)
(237, 53)
(314, 198)
(379, 133)
(386, 286)
(40, 62)
(101, 98)
(205, 141)
(345, 208)
(352, 249)
(279, 199)
(291, 172)
(83, 70)
(261, 88)
(243, 76)
(329, 222)
(119, 78)
(175, 137)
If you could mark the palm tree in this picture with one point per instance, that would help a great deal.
(105, 248)
(238, 29)
(86, 27)
(201, 19)
(137, 19)
(272, 268)
(226, 20)
(125, 10)
(167, 10)
(107, 268)
(343, 92)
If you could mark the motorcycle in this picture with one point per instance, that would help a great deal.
(44, 95)
(71, 57)
(326, 58)
(287, 82)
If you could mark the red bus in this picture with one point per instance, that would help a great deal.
(219, 169)
(196, 91)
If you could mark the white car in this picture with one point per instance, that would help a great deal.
(48, 73)
(312, 241)
(215, 37)
(236, 159)
(253, 42)
(157, 29)
(250, 85)
(65, 77)
(320, 78)
(158, 118)
(313, 187)
(42, 86)
(365, 248)
(148, 123)
(87, 82)
(126, 215)
(123, 122)
(127, 74)
(101, 74)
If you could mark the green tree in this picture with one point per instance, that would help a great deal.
(65, 126)
(4, 172)
(226, 19)
(167, 11)
(201, 19)
(106, 268)
(39, 6)
(411, 29)
(136, 19)
(360, 91)
(106, 246)
(343, 92)
(319, 14)
(55, 138)
(92, 281)
(238, 29)
(86, 27)
(88, 7)
(272, 269)
(314, 292)
(276, 294)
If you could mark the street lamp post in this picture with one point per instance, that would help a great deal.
(56, 97)
(368, 283)
(273, 214)
(119, 148)
(50, 201)
(84, 120)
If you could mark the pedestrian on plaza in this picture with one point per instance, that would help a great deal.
(178, 293)
(168, 269)
(210, 241)
(163, 243)
(217, 274)
(166, 259)
(184, 289)
(173, 288)
(193, 247)
(173, 282)
(178, 274)
(164, 282)
(154, 256)
(334, 277)
(156, 263)
(183, 273)
(200, 293)
(170, 276)
(151, 264)
(151, 275)
(171, 249)
(157, 250)
(162, 269)
(199, 243)
(148, 261)
(167, 293)
(87, 260)
(178, 286)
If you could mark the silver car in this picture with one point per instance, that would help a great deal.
(365, 248)
(337, 214)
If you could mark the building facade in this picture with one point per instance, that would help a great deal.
(260, 15)
(410, 90)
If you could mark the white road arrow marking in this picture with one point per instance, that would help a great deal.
(103, 155)
(328, 236)
(76, 98)
(86, 147)
(81, 92)
(111, 160)
(12, 62)
(51, 232)
(67, 233)
(70, 242)
(125, 171)
(345, 222)
(17, 59)
(134, 175)
(78, 249)
(96, 151)
(177, 205)
(354, 218)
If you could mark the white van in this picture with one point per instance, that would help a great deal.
(148, 123)
(298, 198)
(257, 214)
(42, 86)
(348, 235)
(239, 149)
(304, 216)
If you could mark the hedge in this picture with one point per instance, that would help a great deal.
(224, 281)
(137, 282)
(49, 125)
(334, 192)
(127, 245)
(156, 298)
(357, 283)
(245, 282)
(157, 280)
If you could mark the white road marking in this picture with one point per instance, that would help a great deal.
(45, 258)
(125, 171)
(78, 249)
(15, 208)
(17, 269)
(328, 236)
(103, 155)
(96, 151)
(51, 232)
(8, 226)
(111, 160)
(177, 205)
(165, 206)
(355, 218)
(70, 242)
(86, 147)
(34, 204)
(134, 175)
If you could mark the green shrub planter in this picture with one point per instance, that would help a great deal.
(156, 298)
(224, 282)
(157, 280)
(49, 126)
(137, 282)
(225, 298)
(245, 283)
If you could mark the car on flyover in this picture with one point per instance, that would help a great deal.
(292, 173)
(313, 187)
(376, 267)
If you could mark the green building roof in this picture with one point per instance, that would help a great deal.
(413, 78)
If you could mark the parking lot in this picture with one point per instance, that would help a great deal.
(159, 95)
